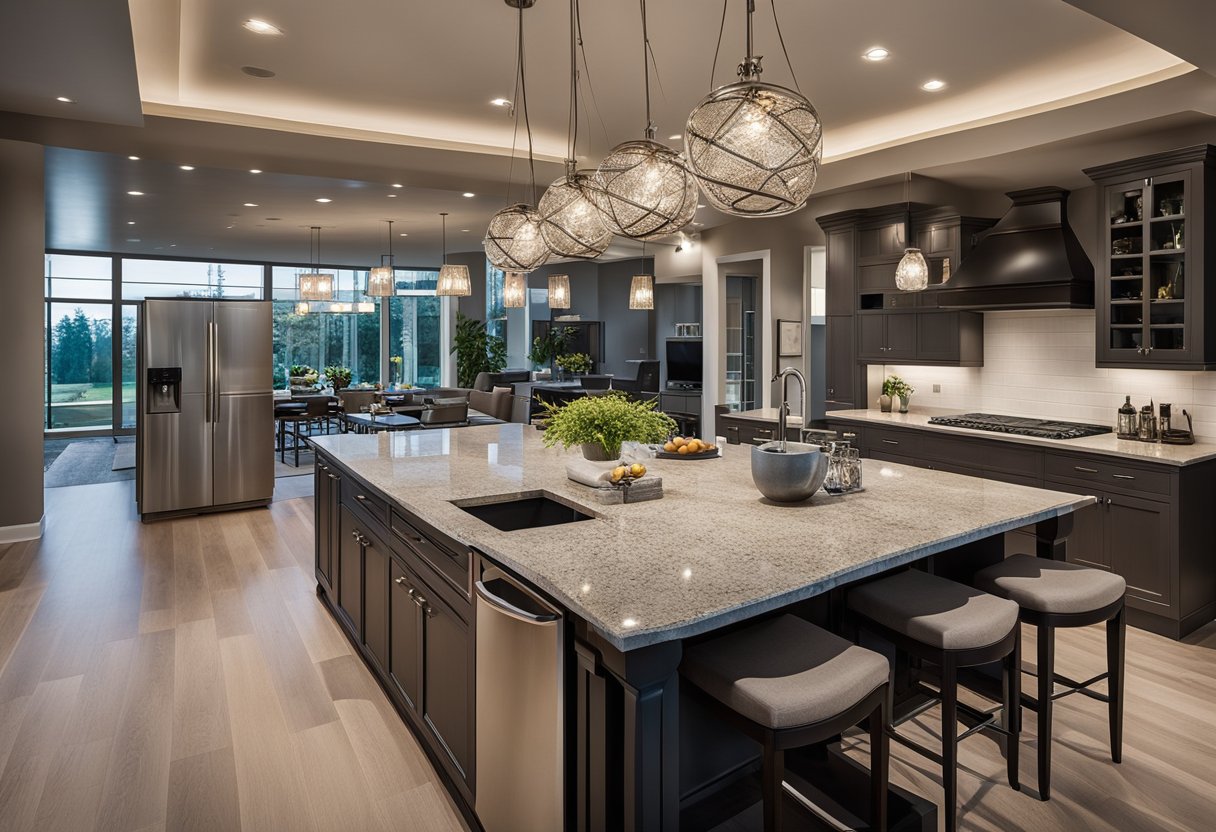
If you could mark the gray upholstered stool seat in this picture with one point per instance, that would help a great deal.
(785, 672)
(935, 611)
(1051, 585)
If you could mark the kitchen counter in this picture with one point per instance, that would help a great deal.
(765, 414)
(711, 552)
(1105, 443)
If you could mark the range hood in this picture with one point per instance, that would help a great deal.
(1029, 260)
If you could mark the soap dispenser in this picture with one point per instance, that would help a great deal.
(1127, 427)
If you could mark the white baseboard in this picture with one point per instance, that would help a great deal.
(26, 531)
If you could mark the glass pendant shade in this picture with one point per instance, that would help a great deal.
(316, 286)
(559, 291)
(644, 190)
(756, 148)
(641, 292)
(514, 241)
(380, 282)
(912, 273)
(454, 282)
(571, 224)
(515, 290)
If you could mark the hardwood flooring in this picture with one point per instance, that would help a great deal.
(184, 676)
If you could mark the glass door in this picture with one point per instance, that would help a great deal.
(125, 359)
(80, 369)
(1166, 338)
(1125, 289)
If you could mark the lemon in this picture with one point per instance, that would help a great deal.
(617, 473)
(637, 470)
(670, 447)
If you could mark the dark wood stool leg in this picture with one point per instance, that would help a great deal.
(1116, 640)
(1012, 716)
(774, 773)
(950, 743)
(296, 449)
(1046, 671)
(880, 766)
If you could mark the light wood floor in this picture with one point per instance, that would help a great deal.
(183, 676)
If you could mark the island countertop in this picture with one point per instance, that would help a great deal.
(711, 552)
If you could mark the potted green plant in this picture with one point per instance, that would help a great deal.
(302, 375)
(477, 351)
(894, 387)
(575, 363)
(547, 347)
(338, 376)
(601, 423)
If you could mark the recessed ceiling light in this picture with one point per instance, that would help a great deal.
(501, 102)
(464, 231)
(133, 158)
(674, 138)
(251, 205)
(700, 204)
(257, 72)
(186, 167)
(230, 226)
(133, 240)
(468, 194)
(261, 27)
(130, 222)
(254, 170)
(398, 185)
(324, 199)
(135, 193)
(403, 234)
(64, 99)
(933, 85)
(876, 53)
(392, 196)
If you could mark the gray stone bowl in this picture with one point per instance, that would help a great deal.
(789, 477)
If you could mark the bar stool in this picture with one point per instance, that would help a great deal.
(786, 684)
(952, 626)
(1051, 594)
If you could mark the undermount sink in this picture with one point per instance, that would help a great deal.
(509, 514)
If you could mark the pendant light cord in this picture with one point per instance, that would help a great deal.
(784, 51)
(713, 69)
(445, 238)
(523, 87)
(390, 243)
(646, 70)
(582, 46)
(572, 120)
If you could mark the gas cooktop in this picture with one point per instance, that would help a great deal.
(1020, 425)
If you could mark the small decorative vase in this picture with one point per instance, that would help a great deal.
(903, 404)
(884, 404)
(595, 452)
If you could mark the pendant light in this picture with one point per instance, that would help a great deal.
(513, 238)
(641, 288)
(755, 147)
(453, 280)
(315, 284)
(643, 188)
(514, 290)
(382, 279)
(559, 291)
(570, 223)
(912, 273)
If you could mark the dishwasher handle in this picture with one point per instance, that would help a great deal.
(548, 616)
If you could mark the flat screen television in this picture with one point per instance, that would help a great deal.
(684, 361)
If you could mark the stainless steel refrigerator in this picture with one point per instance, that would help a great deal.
(205, 429)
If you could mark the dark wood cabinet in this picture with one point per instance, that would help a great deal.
(375, 599)
(446, 676)
(841, 364)
(1138, 542)
(1087, 543)
(1151, 296)
(946, 338)
(405, 636)
(350, 572)
(326, 490)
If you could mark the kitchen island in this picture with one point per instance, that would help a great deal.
(634, 581)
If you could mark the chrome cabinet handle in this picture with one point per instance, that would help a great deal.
(361, 498)
(401, 582)
(1124, 477)
(1084, 470)
(323, 467)
(890, 441)
(332, 476)
(1108, 501)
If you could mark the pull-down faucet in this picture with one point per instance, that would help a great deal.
(784, 409)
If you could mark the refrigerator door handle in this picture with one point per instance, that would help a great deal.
(215, 364)
(207, 375)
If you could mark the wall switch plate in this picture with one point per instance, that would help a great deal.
(937, 388)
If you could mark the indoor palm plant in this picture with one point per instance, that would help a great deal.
(601, 423)
(477, 351)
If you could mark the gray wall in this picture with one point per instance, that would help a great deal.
(22, 249)
(474, 306)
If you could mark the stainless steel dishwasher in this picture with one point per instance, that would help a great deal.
(520, 714)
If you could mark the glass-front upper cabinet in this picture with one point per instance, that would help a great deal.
(1150, 297)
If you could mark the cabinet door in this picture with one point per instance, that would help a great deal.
(326, 502)
(872, 337)
(1087, 543)
(937, 337)
(375, 600)
(841, 293)
(841, 364)
(901, 336)
(1168, 320)
(350, 571)
(405, 636)
(446, 676)
(1139, 542)
(1123, 291)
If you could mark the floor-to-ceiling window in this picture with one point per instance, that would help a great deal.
(344, 332)
(415, 346)
(79, 389)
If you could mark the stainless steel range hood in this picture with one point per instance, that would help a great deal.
(1029, 260)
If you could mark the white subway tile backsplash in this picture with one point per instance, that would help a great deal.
(1042, 364)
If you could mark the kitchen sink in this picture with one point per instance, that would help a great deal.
(511, 514)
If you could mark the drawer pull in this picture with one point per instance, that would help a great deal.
(890, 441)
(1124, 477)
(401, 582)
(332, 476)
(1084, 470)
(361, 498)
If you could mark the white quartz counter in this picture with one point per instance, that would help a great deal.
(1105, 443)
(712, 551)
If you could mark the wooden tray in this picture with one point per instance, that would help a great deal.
(668, 455)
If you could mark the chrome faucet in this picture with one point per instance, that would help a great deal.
(784, 410)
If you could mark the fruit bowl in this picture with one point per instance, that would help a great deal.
(791, 475)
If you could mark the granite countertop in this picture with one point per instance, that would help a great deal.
(1105, 443)
(712, 551)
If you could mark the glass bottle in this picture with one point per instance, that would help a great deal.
(1126, 425)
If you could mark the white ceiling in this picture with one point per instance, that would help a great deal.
(371, 92)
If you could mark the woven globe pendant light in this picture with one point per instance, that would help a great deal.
(643, 188)
(514, 241)
(571, 224)
(755, 147)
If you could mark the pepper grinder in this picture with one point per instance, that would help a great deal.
(1126, 426)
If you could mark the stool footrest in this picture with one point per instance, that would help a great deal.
(1072, 686)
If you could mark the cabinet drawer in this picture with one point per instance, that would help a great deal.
(354, 493)
(449, 560)
(904, 443)
(1108, 474)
